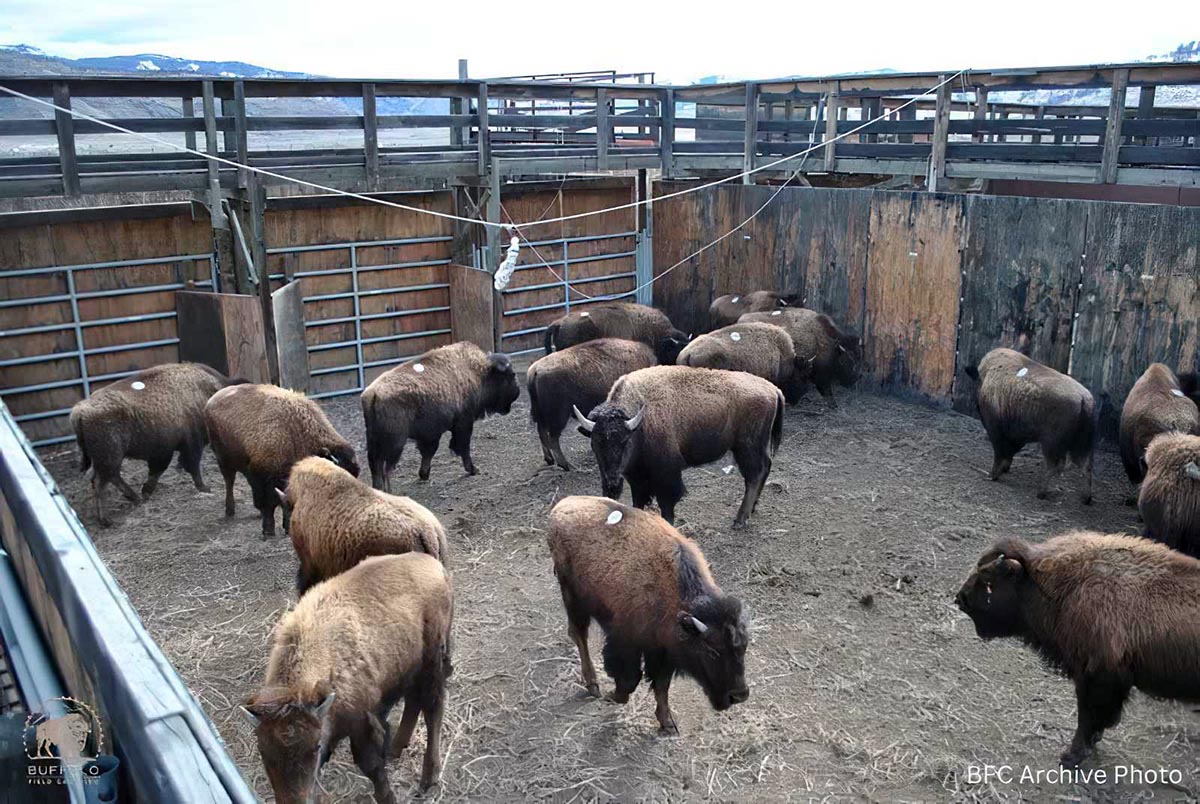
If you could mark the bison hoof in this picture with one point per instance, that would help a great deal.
(593, 689)
(105, 522)
(741, 524)
(1073, 757)
(617, 697)
(566, 467)
(668, 730)
(203, 487)
(471, 470)
(1086, 499)
(268, 533)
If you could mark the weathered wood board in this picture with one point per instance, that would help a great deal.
(288, 306)
(471, 306)
(225, 331)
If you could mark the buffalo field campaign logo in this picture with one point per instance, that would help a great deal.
(68, 741)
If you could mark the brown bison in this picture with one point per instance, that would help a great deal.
(763, 350)
(1169, 501)
(656, 600)
(832, 355)
(657, 421)
(727, 309)
(350, 649)
(261, 431)
(578, 376)
(445, 389)
(336, 521)
(1109, 612)
(631, 322)
(1156, 404)
(1021, 402)
(148, 416)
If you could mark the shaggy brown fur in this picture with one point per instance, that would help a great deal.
(631, 322)
(336, 521)
(261, 431)
(1156, 404)
(1110, 612)
(656, 600)
(150, 423)
(354, 646)
(1041, 406)
(578, 376)
(445, 389)
(1169, 501)
(657, 421)
(764, 350)
(727, 309)
(832, 355)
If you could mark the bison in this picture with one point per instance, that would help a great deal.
(1111, 612)
(832, 355)
(578, 376)
(657, 421)
(727, 309)
(1022, 401)
(261, 431)
(149, 416)
(656, 600)
(1156, 404)
(763, 350)
(631, 322)
(447, 388)
(1169, 501)
(351, 648)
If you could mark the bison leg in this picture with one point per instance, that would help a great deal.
(557, 453)
(624, 665)
(754, 463)
(189, 459)
(544, 437)
(428, 448)
(1054, 467)
(265, 501)
(578, 622)
(156, 465)
(434, 708)
(660, 671)
(230, 476)
(368, 744)
(639, 492)
(460, 443)
(1100, 702)
(1087, 466)
(825, 389)
(408, 723)
(99, 484)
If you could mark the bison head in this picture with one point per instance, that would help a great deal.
(670, 346)
(291, 736)
(1190, 385)
(342, 455)
(847, 362)
(614, 441)
(500, 388)
(712, 638)
(992, 594)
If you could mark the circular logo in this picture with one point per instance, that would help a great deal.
(74, 737)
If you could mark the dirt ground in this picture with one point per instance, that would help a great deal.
(867, 683)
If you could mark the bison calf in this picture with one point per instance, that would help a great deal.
(763, 350)
(1156, 404)
(727, 309)
(1109, 612)
(657, 421)
(1022, 402)
(350, 649)
(578, 376)
(832, 355)
(656, 600)
(630, 322)
(445, 389)
(336, 521)
(149, 416)
(1169, 501)
(261, 431)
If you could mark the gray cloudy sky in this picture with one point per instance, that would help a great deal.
(681, 41)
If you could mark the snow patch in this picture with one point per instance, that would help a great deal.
(149, 65)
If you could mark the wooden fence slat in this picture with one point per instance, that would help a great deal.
(64, 125)
(370, 136)
(1112, 132)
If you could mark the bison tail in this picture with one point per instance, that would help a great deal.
(85, 460)
(531, 388)
(551, 332)
(1085, 431)
(777, 425)
(376, 442)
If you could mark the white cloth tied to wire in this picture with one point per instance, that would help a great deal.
(505, 271)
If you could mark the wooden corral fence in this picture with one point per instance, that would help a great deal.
(932, 281)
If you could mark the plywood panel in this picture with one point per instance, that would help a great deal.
(288, 313)
(471, 306)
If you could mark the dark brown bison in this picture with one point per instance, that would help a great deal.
(445, 389)
(148, 416)
(832, 355)
(1156, 404)
(1023, 402)
(763, 350)
(727, 309)
(658, 421)
(1109, 612)
(1169, 501)
(631, 322)
(261, 431)
(656, 600)
(578, 376)
(352, 648)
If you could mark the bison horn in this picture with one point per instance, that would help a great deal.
(251, 718)
(584, 421)
(701, 628)
(636, 421)
(1192, 470)
(282, 495)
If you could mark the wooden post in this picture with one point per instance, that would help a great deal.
(1040, 114)
(831, 121)
(229, 138)
(258, 252)
(750, 139)
(189, 113)
(64, 127)
(908, 113)
(941, 132)
(492, 254)
(1146, 111)
(485, 141)
(981, 95)
(666, 137)
(370, 136)
(871, 109)
(789, 109)
(643, 191)
(1112, 131)
(603, 129)
(222, 236)
(242, 139)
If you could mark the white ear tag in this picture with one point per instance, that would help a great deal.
(137, 385)
(584, 315)
(1177, 392)
(417, 367)
(735, 336)
(1023, 372)
(777, 312)
(614, 518)
(736, 299)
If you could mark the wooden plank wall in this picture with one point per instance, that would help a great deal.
(89, 242)
(934, 281)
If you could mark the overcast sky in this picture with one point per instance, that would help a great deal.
(681, 42)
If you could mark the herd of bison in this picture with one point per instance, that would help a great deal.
(373, 626)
